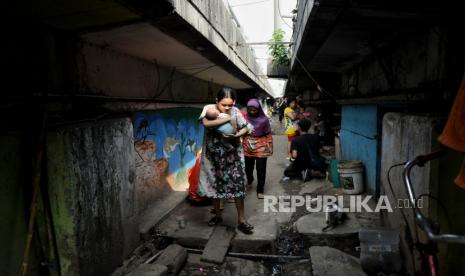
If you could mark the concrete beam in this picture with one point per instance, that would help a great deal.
(214, 22)
(101, 70)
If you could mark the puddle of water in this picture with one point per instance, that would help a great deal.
(276, 270)
(292, 244)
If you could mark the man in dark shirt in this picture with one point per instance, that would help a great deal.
(305, 153)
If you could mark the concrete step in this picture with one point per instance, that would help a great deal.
(173, 257)
(327, 261)
(218, 244)
(266, 230)
(299, 268)
(231, 267)
(196, 231)
(193, 236)
(149, 270)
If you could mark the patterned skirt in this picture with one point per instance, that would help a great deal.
(222, 170)
(258, 146)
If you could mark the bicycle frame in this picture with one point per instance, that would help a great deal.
(426, 225)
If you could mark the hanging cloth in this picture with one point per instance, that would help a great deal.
(453, 135)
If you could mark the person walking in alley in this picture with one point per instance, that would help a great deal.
(320, 128)
(258, 145)
(281, 108)
(222, 172)
(305, 155)
(291, 117)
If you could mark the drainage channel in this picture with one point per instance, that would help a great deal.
(291, 252)
(274, 263)
(256, 257)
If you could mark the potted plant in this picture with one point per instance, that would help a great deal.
(278, 64)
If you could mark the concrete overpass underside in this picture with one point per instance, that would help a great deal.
(168, 51)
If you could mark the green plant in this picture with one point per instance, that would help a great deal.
(277, 49)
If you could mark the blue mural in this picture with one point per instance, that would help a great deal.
(174, 135)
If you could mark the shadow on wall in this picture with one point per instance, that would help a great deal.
(166, 144)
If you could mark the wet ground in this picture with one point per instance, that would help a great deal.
(275, 233)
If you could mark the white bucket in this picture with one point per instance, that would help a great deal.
(351, 176)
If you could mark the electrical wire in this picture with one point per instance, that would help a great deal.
(359, 134)
(193, 66)
(195, 73)
(170, 81)
(158, 74)
(281, 16)
(248, 4)
(318, 86)
(72, 122)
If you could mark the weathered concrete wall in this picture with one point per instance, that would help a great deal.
(12, 205)
(360, 139)
(101, 71)
(415, 62)
(91, 185)
(422, 67)
(304, 11)
(405, 137)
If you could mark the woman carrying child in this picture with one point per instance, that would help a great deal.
(222, 173)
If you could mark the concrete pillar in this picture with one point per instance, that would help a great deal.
(404, 137)
(91, 186)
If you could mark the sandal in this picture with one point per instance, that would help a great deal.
(214, 221)
(245, 228)
(212, 210)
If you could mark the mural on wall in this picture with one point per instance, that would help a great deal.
(166, 143)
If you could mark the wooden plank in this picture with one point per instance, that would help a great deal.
(218, 244)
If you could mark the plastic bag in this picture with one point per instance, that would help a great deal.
(193, 179)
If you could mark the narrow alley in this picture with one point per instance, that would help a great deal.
(232, 137)
(282, 242)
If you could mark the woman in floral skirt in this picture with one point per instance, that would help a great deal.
(222, 169)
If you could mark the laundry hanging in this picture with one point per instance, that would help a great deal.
(453, 135)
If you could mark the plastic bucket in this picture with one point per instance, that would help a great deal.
(333, 173)
(351, 176)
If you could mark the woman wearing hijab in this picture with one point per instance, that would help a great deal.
(258, 145)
